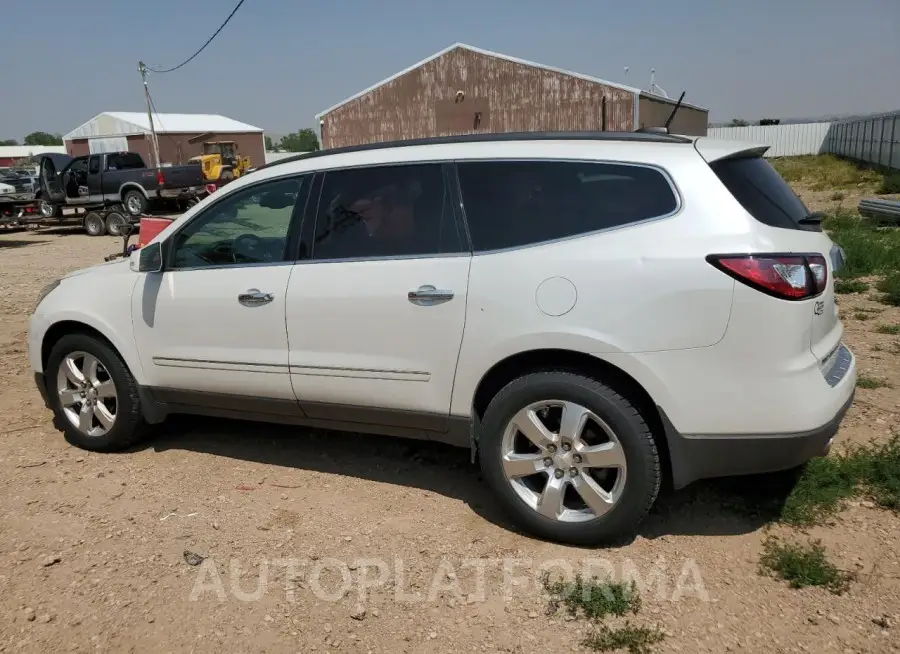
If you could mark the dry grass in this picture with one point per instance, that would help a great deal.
(821, 172)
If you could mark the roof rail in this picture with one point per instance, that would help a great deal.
(636, 136)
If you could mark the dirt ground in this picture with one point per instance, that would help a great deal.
(331, 542)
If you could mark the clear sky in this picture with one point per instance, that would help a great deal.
(281, 61)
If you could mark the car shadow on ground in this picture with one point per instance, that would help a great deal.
(707, 508)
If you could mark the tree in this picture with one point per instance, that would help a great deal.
(43, 138)
(738, 122)
(270, 145)
(9, 142)
(304, 140)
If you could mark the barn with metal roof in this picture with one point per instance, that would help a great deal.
(180, 136)
(465, 90)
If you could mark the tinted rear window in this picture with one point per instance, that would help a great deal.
(124, 161)
(515, 203)
(761, 191)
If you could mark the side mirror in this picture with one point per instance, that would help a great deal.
(147, 259)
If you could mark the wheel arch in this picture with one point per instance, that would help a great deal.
(132, 186)
(508, 369)
(68, 326)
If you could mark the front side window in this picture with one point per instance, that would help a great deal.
(78, 166)
(385, 211)
(94, 165)
(249, 226)
(516, 203)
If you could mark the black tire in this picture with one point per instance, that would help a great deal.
(643, 478)
(134, 202)
(226, 176)
(94, 224)
(129, 424)
(114, 223)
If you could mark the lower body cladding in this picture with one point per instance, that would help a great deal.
(692, 457)
(706, 456)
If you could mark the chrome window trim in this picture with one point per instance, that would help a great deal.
(324, 170)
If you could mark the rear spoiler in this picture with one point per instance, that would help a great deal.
(715, 150)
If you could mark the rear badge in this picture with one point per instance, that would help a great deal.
(819, 308)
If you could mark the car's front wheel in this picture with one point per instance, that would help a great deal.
(135, 203)
(50, 210)
(93, 395)
(570, 459)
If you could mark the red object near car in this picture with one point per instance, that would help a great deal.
(150, 227)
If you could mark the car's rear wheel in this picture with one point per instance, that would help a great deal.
(570, 459)
(94, 224)
(93, 395)
(114, 223)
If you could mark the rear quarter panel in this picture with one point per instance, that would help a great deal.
(640, 288)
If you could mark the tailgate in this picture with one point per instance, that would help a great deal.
(182, 176)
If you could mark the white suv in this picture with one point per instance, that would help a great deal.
(590, 313)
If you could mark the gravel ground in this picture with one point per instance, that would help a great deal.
(370, 544)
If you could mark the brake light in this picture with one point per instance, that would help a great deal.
(785, 276)
(160, 178)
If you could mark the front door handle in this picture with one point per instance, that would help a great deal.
(254, 298)
(427, 295)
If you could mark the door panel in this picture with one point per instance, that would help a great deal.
(51, 183)
(194, 333)
(94, 178)
(375, 317)
(356, 338)
(214, 321)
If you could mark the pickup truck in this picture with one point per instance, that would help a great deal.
(16, 194)
(100, 180)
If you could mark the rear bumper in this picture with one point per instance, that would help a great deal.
(187, 192)
(707, 456)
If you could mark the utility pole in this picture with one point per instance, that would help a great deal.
(154, 144)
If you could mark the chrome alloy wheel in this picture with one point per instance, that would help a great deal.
(87, 393)
(133, 204)
(563, 461)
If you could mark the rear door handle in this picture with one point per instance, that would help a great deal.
(254, 298)
(427, 295)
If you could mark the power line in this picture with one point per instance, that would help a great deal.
(203, 47)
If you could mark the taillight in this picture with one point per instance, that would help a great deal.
(160, 178)
(785, 276)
